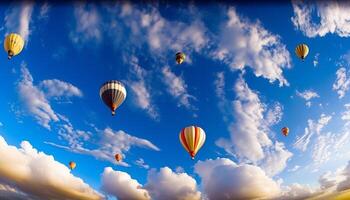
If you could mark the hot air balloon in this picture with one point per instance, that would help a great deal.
(113, 93)
(180, 57)
(118, 157)
(13, 44)
(285, 131)
(72, 165)
(192, 139)
(302, 50)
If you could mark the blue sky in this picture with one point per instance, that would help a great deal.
(241, 82)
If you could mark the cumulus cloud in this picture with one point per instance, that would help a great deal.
(246, 44)
(35, 100)
(141, 88)
(342, 83)
(297, 191)
(7, 192)
(332, 17)
(110, 142)
(18, 19)
(177, 87)
(58, 88)
(313, 128)
(223, 179)
(122, 186)
(25, 169)
(87, 27)
(174, 185)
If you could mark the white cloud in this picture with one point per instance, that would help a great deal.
(110, 142)
(161, 185)
(177, 87)
(18, 19)
(35, 100)
(57, 88)
(223, 179)
(274, 114)
(122, 186)
(249, 133)
(141, 163)
(44, 10)
(275, 160)
(313, 128)
(315, 62)
(87, 27)
(141, 89)
(174, 185)
(246, 44)
(295, 168)
(307, 94)
(345, 184)
(342, 83)
(25, 168)
(297, 191)
(332, 17)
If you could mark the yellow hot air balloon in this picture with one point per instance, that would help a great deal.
(180, 57)
(285, 131)
(72, 165)
(118, 157)
(113, 94)
(192, 139)
(13, 45)
(302, 50)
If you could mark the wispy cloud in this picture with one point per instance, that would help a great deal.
(87, 27)
(18, 19)
(141, 88)
(307, 95)
(35, 100)
(332, 17)
(313, 128)
(342, 82)
(110, 142)
(177, 87)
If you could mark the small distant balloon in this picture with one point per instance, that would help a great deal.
(113, 94)
(13, 44)
(285, 131)
(118, 157)
(72, 165)
(302, 50)
(180, 57)
(192, 139)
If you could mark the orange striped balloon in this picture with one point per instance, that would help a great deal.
(285, 131)
(118, 157)
(192, 139)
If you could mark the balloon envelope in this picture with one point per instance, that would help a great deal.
(192, 139)
(302, 50)
(180, 57)
(113, 94)
(118, 157)
(72, 165)
(285, 131)
(13, 44)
